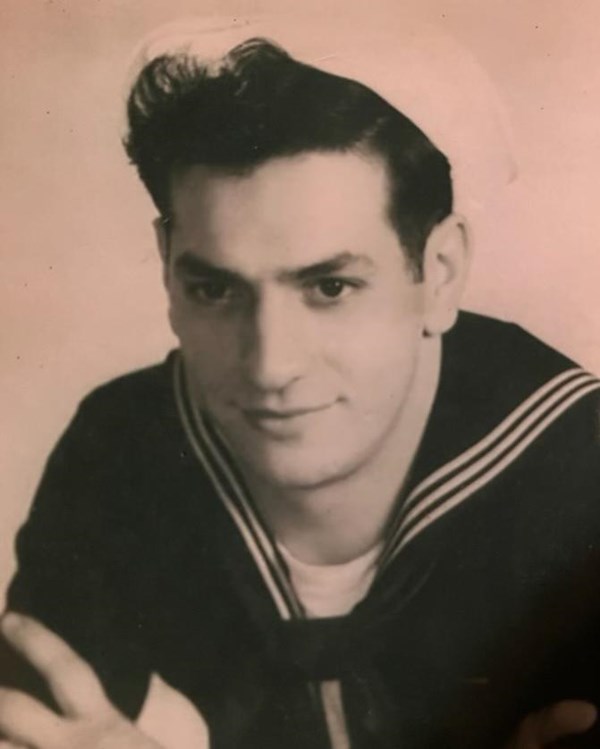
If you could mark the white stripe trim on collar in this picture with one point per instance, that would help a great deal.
(244, 515)
(459, 479)
(533, 400)
(497, 468)
(250, 515)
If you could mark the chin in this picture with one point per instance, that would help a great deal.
(296, 470)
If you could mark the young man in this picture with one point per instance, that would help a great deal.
(342, 513)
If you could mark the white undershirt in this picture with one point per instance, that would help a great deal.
(331, 589)
(324, 591)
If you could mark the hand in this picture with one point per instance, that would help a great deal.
(558, 721)
(89, 720)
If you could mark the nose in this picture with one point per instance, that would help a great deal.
(275, 345)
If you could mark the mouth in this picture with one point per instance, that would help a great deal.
(283, 414)
(280, 422)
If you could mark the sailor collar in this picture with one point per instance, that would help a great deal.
(499, 390)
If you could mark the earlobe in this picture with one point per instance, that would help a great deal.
(445, 266)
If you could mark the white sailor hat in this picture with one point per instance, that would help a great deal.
(422, 72)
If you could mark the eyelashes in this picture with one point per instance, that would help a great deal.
(326, 292)
(210, 291)
(225, 293)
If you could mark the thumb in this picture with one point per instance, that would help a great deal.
(558, 721)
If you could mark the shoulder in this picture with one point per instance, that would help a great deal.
(123, 439)
(543, 412)
(502, 356)
(496, 369)
(500, 388)
(515, 419)
(119, 411)
(131, 394)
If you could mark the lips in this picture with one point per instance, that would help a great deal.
(291, 413)
(281, 422)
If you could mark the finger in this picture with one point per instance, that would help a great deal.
(557, 721)
(73, 683)
(24, 720)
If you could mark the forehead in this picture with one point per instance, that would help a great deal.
(294, 209)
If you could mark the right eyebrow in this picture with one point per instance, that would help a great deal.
(329, 266)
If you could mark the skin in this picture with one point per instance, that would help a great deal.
(302, 329)
(553, 723)
(307, 339)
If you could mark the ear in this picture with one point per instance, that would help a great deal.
(445, 266)
(161, 231)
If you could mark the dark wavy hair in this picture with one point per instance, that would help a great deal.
(259, 103)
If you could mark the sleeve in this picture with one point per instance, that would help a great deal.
(79, 556)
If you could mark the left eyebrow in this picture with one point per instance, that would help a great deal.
(189, 264)
(327, 267)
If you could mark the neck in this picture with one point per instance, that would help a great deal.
(338, 522)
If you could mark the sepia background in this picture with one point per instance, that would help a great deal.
(80, 292)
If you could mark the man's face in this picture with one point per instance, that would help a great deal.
(299, 321)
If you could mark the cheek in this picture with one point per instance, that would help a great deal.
(376, 368)
(210, 351)
(382, 372)
(379, 345)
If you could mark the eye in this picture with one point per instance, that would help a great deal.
(210, 291)
(329, 291)
(331, 287)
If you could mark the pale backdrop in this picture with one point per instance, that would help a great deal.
(80, 295)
